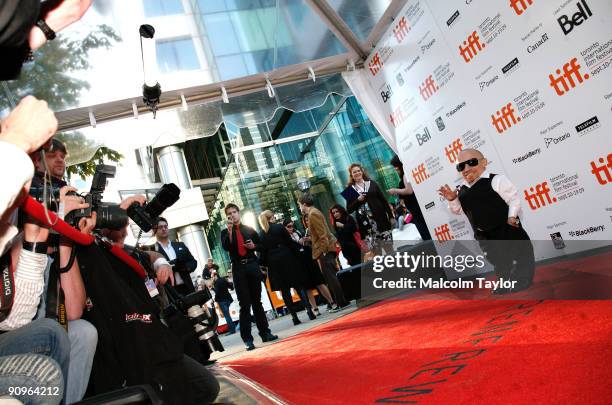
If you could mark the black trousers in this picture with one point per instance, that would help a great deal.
(203, 383)
(329, 268)
(247, 282)
(510, 250)
(288, 299)
(419, 222)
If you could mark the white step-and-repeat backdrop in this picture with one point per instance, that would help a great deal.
(527, 82)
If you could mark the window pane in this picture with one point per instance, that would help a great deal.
(177, 55)
(156, 8)
(231, 67)
(221, 32)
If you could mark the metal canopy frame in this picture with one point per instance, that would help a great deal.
(358, 52)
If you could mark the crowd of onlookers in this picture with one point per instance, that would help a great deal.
(307, 259)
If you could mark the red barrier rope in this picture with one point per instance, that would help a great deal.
(34, 209)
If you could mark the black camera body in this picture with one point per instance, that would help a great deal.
(109, 215)
(203, 318)
(146, 216)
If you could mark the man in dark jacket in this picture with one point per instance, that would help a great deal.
(241, 241)
(178, 255)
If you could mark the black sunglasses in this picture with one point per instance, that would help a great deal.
(471, 162)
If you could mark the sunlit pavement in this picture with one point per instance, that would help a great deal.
(282, 326)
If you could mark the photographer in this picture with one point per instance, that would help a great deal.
(65, 285)
(134, 346)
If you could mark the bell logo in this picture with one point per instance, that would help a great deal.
(401, 30)
(565, 81)
(539, 197)
(519, 6)
(452, 151)
(375, 64)
(443, 233)
(420, 174)
(504, 118)
(583, 14)
(471, 47)
(603, 171)
(428, 88)
(397, 117)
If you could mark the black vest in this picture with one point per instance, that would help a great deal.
(483, 206)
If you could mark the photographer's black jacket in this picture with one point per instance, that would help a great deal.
(134, 347)
(185, 262)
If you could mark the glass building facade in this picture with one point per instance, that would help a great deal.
(315, 146)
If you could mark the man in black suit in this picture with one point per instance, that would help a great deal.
(241, 241)
(178, 256)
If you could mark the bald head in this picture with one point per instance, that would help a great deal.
(466, 154)
(473, 164)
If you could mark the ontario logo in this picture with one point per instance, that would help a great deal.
(443, 233)
(471, 47)
(603, 170)
(419, 174)
(428, 88)
(145, 318)
(539, 196)
(519, 6)
(401, 30)
(504, 119)
(566, 81)
(452, 151)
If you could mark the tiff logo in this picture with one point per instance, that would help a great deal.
(397, 117)
(584, 12)
(375, 64)
(603, 172)
(539, 197)
(420, 174)
(565, 81)
(401, 30)
(452, 150)
(428, 88)
(471, 47)
(443, 233)
(504, 118)
(519, 6)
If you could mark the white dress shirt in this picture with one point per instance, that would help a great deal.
(17, 169)
(178, 280)
(502, 186)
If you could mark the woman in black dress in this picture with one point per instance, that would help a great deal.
(345, 227)
(374, 215)
(314, 277)
(279, 255)
(406, 193)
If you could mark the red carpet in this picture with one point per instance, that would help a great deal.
(442, 351)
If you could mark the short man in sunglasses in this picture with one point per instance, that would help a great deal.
(492, 204)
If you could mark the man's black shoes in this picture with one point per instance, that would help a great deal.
(269, 337)
(249, 346)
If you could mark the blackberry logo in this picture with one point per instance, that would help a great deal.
(587, 231)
